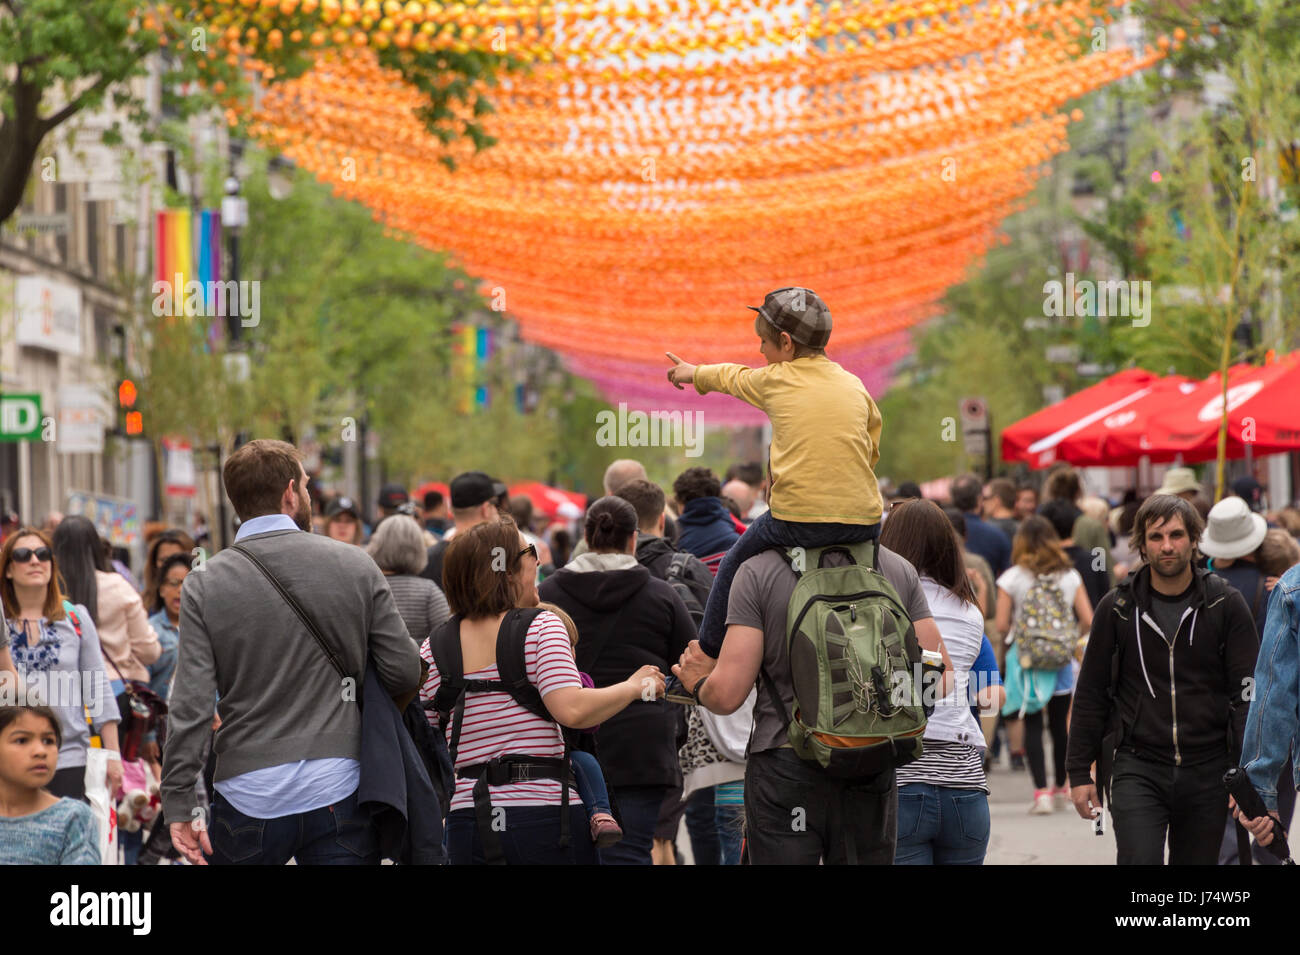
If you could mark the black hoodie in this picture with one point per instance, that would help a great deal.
(1180, 702)
(656, 554)
(627, 619)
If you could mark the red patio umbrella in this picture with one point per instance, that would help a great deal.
(554, 502)
(1263, 413)
(1122, 438)
(1036, 439)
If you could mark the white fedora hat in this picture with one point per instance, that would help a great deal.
(1232, 530)
(1178, 480)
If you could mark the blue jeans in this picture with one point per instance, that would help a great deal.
(590, 782)
(131, 845)
(639, 807)
(941, 826)
(768, 533)
(530, 835)
(341, 834)
(731, 832)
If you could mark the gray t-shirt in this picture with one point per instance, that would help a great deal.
(760, 598)
(1168, 611)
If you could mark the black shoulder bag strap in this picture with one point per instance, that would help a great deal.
(511, 669)
(302, 614)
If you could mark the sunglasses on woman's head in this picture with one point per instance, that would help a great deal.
(22, 555)
(530, 549)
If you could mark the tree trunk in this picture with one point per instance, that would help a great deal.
(20, 139)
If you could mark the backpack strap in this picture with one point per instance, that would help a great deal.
(511, 669)
(71, 611)
(513, 673)
(444, 644)
(677, 566)
(96, 741)
(789, 562)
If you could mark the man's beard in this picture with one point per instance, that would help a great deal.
(1178, 568)
(303, 517)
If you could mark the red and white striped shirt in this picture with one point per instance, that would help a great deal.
(494, 724)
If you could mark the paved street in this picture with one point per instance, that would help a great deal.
(1021, 839)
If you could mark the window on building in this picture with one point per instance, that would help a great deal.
(104, 343)
(61, 239)
(92, 238)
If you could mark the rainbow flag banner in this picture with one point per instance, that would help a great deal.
(187, 265)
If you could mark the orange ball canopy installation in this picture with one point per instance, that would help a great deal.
(661, 165)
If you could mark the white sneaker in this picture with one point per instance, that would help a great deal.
(1042, 803)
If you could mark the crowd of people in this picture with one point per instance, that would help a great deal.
(464, 682)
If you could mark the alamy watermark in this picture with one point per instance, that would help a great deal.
(1111, 299)
(58, 688)
(209, 299)
(657, 429)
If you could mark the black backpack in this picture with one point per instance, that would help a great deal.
(449, 702)
(676, 578)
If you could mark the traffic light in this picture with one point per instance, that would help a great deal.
(126, 396)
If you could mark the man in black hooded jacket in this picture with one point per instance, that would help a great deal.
(656, 553)
(1164, 686)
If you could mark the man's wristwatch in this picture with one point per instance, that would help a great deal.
(695, 693)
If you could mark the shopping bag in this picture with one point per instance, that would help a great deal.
(102, 805)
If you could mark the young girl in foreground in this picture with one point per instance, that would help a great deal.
(37, 828)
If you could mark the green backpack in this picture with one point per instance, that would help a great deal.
(855, 665)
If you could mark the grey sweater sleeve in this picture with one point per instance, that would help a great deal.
(190, 707)
(390, 646)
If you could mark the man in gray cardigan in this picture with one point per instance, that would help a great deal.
(290, 735)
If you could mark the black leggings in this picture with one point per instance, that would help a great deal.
(1057, 709)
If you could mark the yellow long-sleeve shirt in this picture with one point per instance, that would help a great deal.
(825, 436)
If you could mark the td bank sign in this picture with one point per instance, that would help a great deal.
(20, 417)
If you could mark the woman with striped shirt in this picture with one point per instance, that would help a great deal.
(943, 810)
(488, 571)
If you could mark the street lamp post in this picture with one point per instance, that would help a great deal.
(234, 217)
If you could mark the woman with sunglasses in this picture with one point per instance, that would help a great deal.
(489, 571)
(65, 667)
